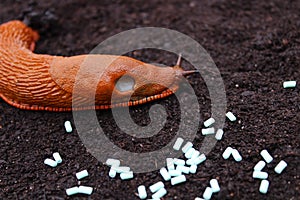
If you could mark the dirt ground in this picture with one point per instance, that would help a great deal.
(256, 46)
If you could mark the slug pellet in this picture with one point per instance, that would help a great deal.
(260, 175)
(160, 193)
(209, 122)
(170, 164)
(85, 190)
(193, 169)
(165, 174)
(207, 193)
(289, 84)
(198, 198)
(183, 169)
(57, 157)
(231, 116)
(71, 191)
(236, 155)
(142, 192)
(126, 175)
(112, 173)
(190, 153)
(179, 161)
(214, 185)
(186, 147)
(280, 167)
(82, 174)
(178, 144)
(178, 179)
(259, 166)
(113, 162)
(195, 154)
(120, 169)
(264, 185)
(208, 131)
(50, 162)
(155, 187)
(68, 126)
(200, 159)
(219, 134)
(227, 153)
(266, 156)
(174, 172)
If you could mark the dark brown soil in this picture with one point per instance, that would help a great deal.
(256, 46)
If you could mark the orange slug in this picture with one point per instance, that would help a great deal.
(43, 82)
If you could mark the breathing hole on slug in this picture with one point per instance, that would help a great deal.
(125, 83)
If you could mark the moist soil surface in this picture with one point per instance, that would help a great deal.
(256, 47)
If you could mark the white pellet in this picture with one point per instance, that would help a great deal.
(165, 174)
(280, 167)
(209, 122)
(260, 175)
(219, 134)
(178, 144)
(208, 131)
(85, 190)
(200, 159)
(72, 191)
(120, 169)
(82, 174)
(178, 179)
(289, 84)
(174, 172)
(198, 198)
(236, 155)
(113, 162)
(193, 169)
(50, 162)
(156, 186)
(160, 193)
(126, 175)
(227, 153)
(170, 164)
(186, 147)
(183, 169)
(68, 126)
(142, 192)
(266, 156)
(112, 173)
(195, 154)
(259, 166)
(179, 161)
(231, 116)
(57, 157)
(207, 193)
(189, 153)
(264, 185)
(214, 185)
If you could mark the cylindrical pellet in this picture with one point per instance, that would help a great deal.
(120, 169)
(112, 173)
(260, 175)
(264, 185)
(155, 187)
(50, 162)
(214, 185)
(209, 122)
(72, 191)
(174, 172)
(82, 174)
(178, 179)
(113, 162)
(165, 174)
(259, 166)
(170, 164)
(160, 193)
(57, 157)
(236, 155)
(289, 84)
(208, 131)
(219, 134)
(179, 161)
(200, 159)
(186, 147)
(142, 192)
(227, 153)
(193, 169)
(266, 156)
(178, 144)
(231, 116)
(189, 153)
(195, 154)
(280, 167)
(183, 169)
(85, 190)
(126, 175)
(207, 193)
(198, 198)
(68, 126)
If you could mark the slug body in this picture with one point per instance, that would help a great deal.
(56, 83)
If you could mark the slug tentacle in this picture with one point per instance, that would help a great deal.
(56, 83)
